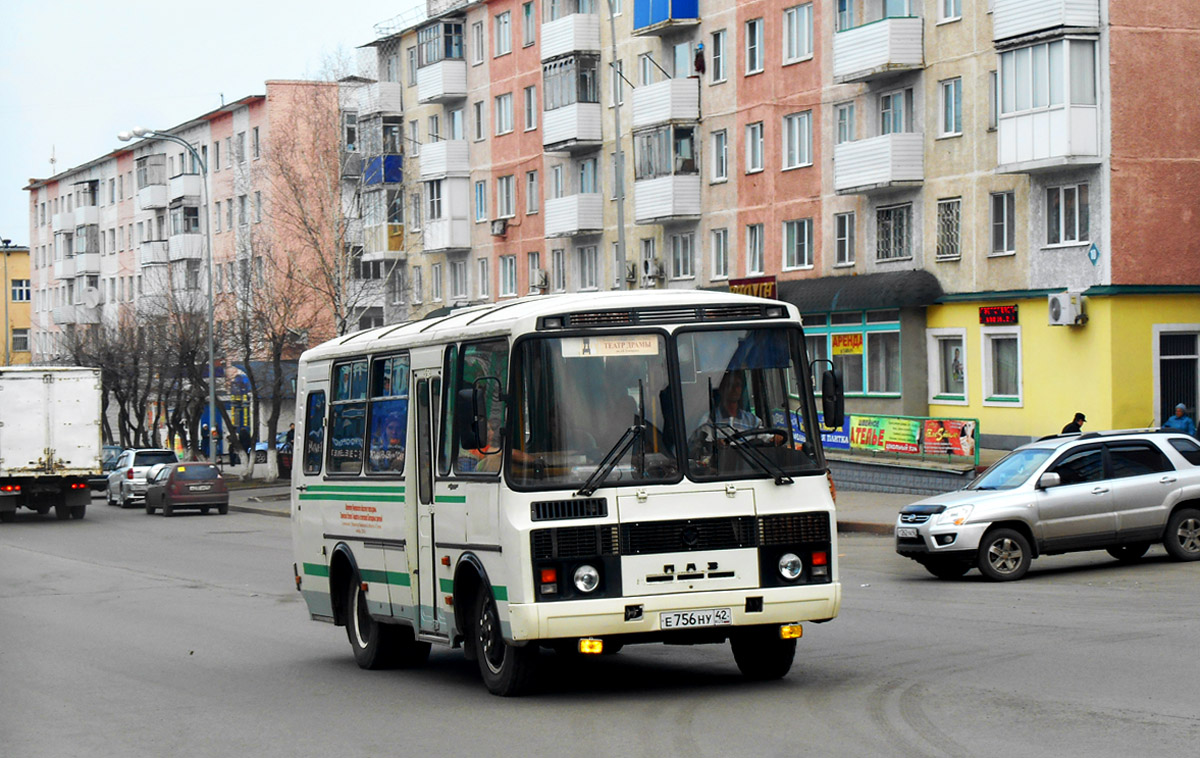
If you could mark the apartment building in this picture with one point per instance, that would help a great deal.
(17, 295)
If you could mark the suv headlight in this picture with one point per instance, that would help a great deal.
(956, 515)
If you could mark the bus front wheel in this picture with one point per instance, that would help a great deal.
(760, 653)
(506, 669)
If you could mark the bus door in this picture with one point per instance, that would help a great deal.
(430, 619)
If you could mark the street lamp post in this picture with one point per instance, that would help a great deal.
(7, 296)
(141, 131)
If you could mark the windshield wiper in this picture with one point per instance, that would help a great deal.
(610, 459)
(755, 457)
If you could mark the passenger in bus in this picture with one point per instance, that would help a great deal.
(487, 458)
(387, 446)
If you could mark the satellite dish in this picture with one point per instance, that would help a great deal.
(91, 297)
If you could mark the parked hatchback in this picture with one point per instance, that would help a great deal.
(127, 481)
(1114, 491)
(194, 486)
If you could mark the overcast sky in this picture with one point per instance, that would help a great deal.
(73, 74)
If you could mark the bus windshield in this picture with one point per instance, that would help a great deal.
(578, 399)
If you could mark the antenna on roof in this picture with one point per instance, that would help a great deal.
(222, 99)
(53, 160)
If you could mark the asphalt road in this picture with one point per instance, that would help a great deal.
(129, 635)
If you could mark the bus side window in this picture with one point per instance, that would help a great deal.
(450, 385)
(480, 360)
(348, 418)
(389, 414)
(314, 432)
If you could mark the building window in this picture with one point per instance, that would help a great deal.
(894, 224)
(867, 352)
(440, 41)
(503, 34)
(412, 66)
(947, 365)
(717, 56)
(20, 290)
(1067, 214)
(797, 140)
(1003, 223)
(433, 200)
(480, 131)
(484, 279)
(435, 282)
(883, 362)
(754, 249)
(950, 10)
(845, 14)
(534, 265)
(257, 206)
(719, 239)
(255, 144)
(481, 201)
(949, 213)
(558, 273)
(589, 178)
(681, 256)
(754, 46)
(454, 125)
(720, 151)
(531, 108)
(588, 267)
(993, 99)
(845, 123)
(504, 113)
(414, 138)
(797, 33)
(664, 151)
(1037, 77)
(241, 151)
(435, 127)
(508, 275)
(477, 45)
(570, 80)
(458, 280)
(418, 285)
(415, 221)
(20, 340)
(528, 25)
(1001, 365)
(797, 244)
(618, 83)
(892, 110)
(533, 195)
(951, 107)
(506, 201)
(844, 233)
(754, 147)
(683, 60)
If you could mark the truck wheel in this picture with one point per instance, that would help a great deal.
(42, 510)
(62, 512)
(77, 511)
(506, 669)
(760, 654)
(8, 517)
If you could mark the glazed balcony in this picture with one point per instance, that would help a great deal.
(573, 33)
(153, 253)
(877, 49)
(575, 214)
(184, 185)
(1048, 139)
(380, 97)
(442, 82)
(445, 158)
(152, 197)
(877, 164)
(87, 263)
(383, 169)
(440, 235)
(659, 17)
(1017, 18)
(666, 101)
(665, 199)
(572, 128)
(65, 268)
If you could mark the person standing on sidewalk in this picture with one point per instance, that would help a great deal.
(1076, 425)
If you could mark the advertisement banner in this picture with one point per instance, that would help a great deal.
(949, 437)
(835, 439)
(847, 344)
(892, 435)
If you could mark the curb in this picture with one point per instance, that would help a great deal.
(260, 511)
(863, 527)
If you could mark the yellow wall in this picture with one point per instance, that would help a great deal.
(17, 262)
(1104, 369)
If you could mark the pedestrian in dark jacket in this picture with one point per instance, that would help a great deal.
(245, 442)
(1076, 425)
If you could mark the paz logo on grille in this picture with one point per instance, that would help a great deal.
(689, 536)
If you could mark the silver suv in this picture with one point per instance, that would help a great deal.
(127, 481)
(1114, 491)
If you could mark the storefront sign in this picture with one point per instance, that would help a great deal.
(891, 435)
(997, 315)
(949, 437)
(762, 286)
(847, 344)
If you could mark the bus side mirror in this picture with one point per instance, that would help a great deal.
(833, 399)
(469, 420)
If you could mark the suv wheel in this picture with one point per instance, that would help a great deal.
(1129, 553)
(1182, 539)
(946, 568)
(1004, 555)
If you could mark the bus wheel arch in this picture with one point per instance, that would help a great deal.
(341, 567)
(470, 578)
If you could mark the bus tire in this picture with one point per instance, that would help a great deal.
(375, 645)
(8, 516)
(507, 670)
(760, 654)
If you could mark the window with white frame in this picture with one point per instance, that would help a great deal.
(528, 25)
(993, 99)
(415, 217)
(797, 140)
(883, 362)
(719, 242)
(717, 57)
(506, 201)
(1004, 223)
(844, 117)
(558, 270)
(20, 340)
(1067, 214)
(458, 280)
(569, 80)
(435, 282)
(754, 147)
(681, 256)
(589, 180)
(949, 10)
(754, 249)
(484, 280)
(557, 182)
(533, 261)
(892, 112)
(947, 350)
(414, 138)
(588, 267)
(481, 201)
(845, 14)
(894, 232)
(433, 200)
(720, 155)
(843, 230)
(1048, 75)
(412, 66)
(418, 285)
(754, 46)
(531, 110)
(648, 255)
(797, 244)
(951, 96)
(533, 195)
(503, 35)
(797, 33)
(20, 290)
(682, 60)
(646, 69)
(618, 82)
(504, 113)
(508, 275)
(949, 213)
(435, 127)
(478, 51)
(480, 120)
(1002, 381)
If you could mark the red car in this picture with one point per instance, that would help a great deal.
(174, 486)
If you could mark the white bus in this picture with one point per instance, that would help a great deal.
(568, 472)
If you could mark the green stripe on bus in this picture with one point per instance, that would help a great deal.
(397, 578)
(500, 592)
(355, 488)
(351, 496)
(316, 569)
(446, 585)
(450, 498)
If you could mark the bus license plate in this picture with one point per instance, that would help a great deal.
(906, 532)
(692, 619)
(200, 487)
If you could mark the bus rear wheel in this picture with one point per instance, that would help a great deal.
(506, 669)
(760, 654)
(376, 645)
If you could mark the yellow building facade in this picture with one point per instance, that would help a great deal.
(17, 294)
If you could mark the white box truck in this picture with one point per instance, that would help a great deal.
(49, 439)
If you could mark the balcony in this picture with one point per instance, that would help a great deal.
(63, 222)
(184, 247)
(384, 169)
(153, 253)
(380, 97)
(87, 314)
(63, 314)
(352, 165)
(658, 17)
(445, 234)
(573, 33)
(886, 162)
(442, 82)
(445, 158)
(575, 214)
(572, 128)
(666, 198)
(385, 241)
(1016, 18)
(87, 215)
(152, 196)
(65, 268)
(666, 101)
(1049, 139)
(184, 185)
(87, 263)
(880, 48)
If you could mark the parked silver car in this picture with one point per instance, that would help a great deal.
(127, 481)
(1114, 491)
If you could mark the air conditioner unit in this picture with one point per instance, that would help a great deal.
(540, 278)
(652, 268)
(499, 227)
(631, 272)
(1066, 309)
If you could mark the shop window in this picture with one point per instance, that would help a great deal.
(947, 366)
(1002, 381)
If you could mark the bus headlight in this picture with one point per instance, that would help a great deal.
(790, 566)
(587, 578)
